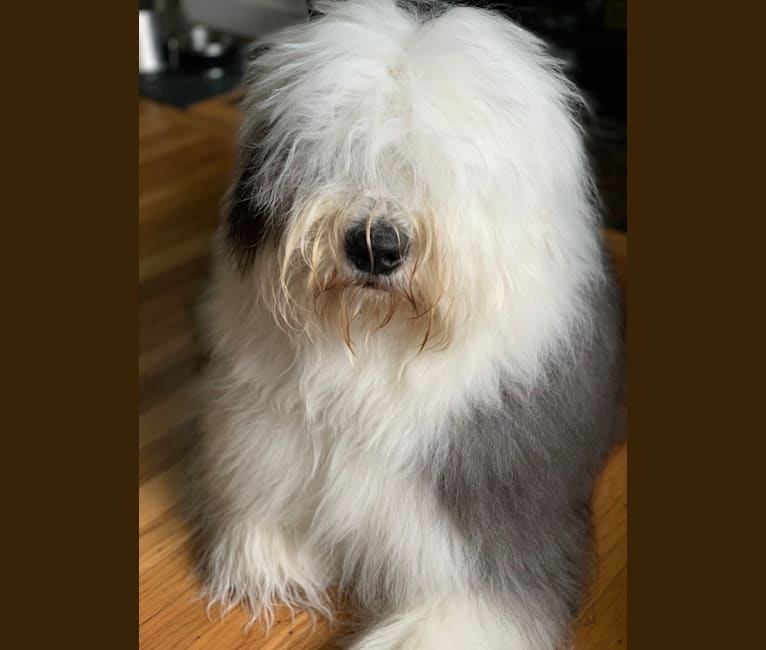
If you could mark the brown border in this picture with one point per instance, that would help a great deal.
(688, 225)
(69, 251)
(70, 254)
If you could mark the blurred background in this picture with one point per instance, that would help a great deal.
(192, 55)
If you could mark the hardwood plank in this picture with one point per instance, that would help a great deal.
(617, 244)
(178, 225)
(300, 633)
(177, 291)
(183, 252)
(180, 347)
(163, 453)
(167, 537)
(188, 268)
(160, 495)
(153, 389)
(175, 139)
(156, 333)
(169, 586)
(610, 517)
(222, 111)
(182, 200)
(604, 623)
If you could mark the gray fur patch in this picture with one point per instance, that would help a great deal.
(517, 482)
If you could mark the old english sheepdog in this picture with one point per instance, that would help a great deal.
(416, 342)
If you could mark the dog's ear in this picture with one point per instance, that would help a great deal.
(314, 12)
(247, 220)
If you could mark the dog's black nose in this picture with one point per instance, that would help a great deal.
(386, 251)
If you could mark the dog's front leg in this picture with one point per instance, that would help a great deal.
(262, 565)
(254, 470)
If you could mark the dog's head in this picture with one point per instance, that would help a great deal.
(406, 173)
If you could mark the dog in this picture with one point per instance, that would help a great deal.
(416, 338)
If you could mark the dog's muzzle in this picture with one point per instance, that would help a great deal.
(378, 252)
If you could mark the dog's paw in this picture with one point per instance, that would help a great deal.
(260, 569)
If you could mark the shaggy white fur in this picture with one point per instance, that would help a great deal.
(328, 401)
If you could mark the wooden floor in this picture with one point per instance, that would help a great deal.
(185, 158)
